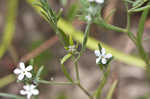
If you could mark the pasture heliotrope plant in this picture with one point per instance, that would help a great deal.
(29, 90)
(23, 71)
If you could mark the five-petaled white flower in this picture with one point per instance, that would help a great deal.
(97, 1)
(102, 56)
(72, 48)
(23, 71)
(29, 90)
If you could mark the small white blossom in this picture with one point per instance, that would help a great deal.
(72, 48)
(97, 1)
(22, 71)
(88, 18)
(102, 56)
(29, 90)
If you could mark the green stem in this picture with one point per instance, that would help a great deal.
(139, 9)
(86, 34)
(85, 91)
(140, 47)
(130, 34)
(103, 24)
(102, 83)
(56, 83)
(76, 69)
(142, 52)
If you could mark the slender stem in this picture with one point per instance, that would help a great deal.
(102, 83)
(86, 34)
(139, 9)
(130, 34)
(140, 47)
(76, 69)
(85, 91)
(55, 83)
(103, 24)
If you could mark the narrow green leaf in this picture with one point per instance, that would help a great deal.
(38, 74)
(111, 90)
(66, 73)
(72, 12)
(71, 41)
(65, 58)
(9, 26)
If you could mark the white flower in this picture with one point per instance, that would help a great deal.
(29, 90)
(88, 18)
(22, 71)
(72, 48)
(97, 1)
(102, 56)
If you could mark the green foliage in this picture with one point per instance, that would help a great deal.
(73, 10)
(64, 59)
(9, 26)
(92, 44)
(112, 89)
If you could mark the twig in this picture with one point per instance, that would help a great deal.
(40, 49)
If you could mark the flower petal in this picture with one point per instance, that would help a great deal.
(22, 65)
(29, 68)
(108, 55)
(97, 60)
(29, 95)
(104, 61)
(21, 76)
(35, 92)
(99, 1)
(26, 87)
(28, 74)
(17, 71)
(32, 86)
(22, 92)
(97, 52)
(103, 51)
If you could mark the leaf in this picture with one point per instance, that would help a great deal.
(9, 26)
(65, 58)
(38, 74)
(112, 89)
(72, 12)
